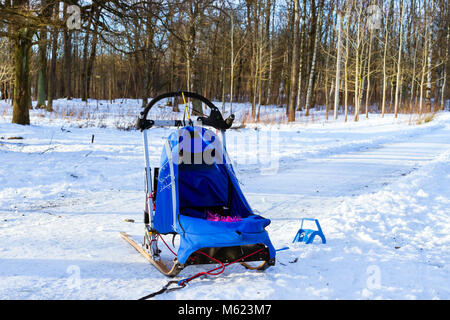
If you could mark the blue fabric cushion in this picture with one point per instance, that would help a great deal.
(202, 185)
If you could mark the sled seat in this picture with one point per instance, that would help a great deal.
(198, 233)
(196, 221)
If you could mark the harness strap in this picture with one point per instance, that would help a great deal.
(164, 289)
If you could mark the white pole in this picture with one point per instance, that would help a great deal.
(148, 185)
(148, 192)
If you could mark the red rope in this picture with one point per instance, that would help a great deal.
(166, 244)
(154, 240)
(222, 266)
(209, 272)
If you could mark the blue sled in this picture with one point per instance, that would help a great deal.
(307, 235)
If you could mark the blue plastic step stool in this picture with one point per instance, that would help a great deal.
(307, 235)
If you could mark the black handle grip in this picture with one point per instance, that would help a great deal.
(229, 121)
(214, 120)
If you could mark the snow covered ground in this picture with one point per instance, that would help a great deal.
(379, 187)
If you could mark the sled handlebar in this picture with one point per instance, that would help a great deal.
(214, 119)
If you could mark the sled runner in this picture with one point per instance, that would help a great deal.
(173, 271)
(195, 194)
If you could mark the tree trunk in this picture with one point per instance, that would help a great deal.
(42, 73)
(67, 37)
(22, 86)
(347, 45)
(51, 85)
(368, 74)
(327, 61)
(300, 67)
(271, 45)
(294, 68)
(425, 59)
(445, 69)
(386, 38)
(261, 68)
(222, 71)
(84, 85)
(338, 67)
(358, 68)
(309, 92)
(148, 62)
(429, 74)
(399, 62)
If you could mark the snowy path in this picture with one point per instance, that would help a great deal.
(380, 192)
(328, 178)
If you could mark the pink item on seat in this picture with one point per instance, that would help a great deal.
(216, 217)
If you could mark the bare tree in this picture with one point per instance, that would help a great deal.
(309, 91)
(294, 68)
(385, 57)
(399, 62)
(338, 64)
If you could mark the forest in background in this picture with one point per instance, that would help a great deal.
(350, 57)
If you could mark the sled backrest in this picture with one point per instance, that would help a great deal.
(202, 185)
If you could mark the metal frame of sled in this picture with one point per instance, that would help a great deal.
(149, 248)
